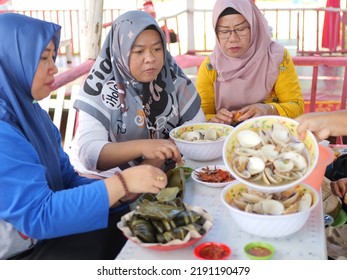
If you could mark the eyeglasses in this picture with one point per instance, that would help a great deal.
(226, 33)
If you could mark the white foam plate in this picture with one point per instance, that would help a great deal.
(209, 184)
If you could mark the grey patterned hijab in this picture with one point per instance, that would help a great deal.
(127, 108)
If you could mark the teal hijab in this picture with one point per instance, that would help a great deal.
(22, 42)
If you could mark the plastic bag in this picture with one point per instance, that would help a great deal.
(338, 170)
(337, 242)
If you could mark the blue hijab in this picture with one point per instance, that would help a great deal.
(23, 39)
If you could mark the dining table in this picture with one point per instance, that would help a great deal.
(309, 243)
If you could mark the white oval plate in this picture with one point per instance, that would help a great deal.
(208, 184)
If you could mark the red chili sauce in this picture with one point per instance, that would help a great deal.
(213, 252)
(259, 251)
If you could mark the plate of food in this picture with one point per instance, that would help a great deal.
(165, 233)
(214, 176)
(163, 221)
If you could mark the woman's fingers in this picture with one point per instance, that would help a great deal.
(335, 189)
(165, 152)
(339, 187)
(158, 181)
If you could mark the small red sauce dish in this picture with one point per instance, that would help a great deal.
(212, 251)
(259, 251)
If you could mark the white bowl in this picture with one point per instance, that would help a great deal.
(267, 225)
(210, 184)
(203, 150)
(265, 123)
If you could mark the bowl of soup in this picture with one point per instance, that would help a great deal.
(266, 154)
(269, 214)
(201, 141)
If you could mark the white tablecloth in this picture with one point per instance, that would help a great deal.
(308, 243)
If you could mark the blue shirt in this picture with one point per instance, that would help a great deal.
(29, 204)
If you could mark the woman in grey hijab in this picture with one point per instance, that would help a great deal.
(134, 95)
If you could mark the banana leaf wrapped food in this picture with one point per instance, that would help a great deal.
(163, 231)
(183, 218)
(176, 178)
(143, 229)
(154, 221)
(157, 211)
(164, 219)
(176, 233)
(175, 188)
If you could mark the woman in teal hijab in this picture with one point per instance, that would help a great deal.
(133, 96)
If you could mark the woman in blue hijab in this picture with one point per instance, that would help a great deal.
(47, 211)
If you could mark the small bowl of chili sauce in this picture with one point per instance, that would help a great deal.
(259, 251)
(212, 251)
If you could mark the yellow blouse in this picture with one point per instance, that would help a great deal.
(286, 95)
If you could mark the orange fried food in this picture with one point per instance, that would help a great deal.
(236, 117)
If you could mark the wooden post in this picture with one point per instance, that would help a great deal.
(95, 17)
(190, 27)
(83, 29)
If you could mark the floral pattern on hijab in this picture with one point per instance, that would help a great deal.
(127, 108)
(19, 58)
(250, 78)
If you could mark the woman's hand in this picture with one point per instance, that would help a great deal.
(339, 187)
(323, 124)
(256, 110)
(160, 149)
(259, 109)
(223, 116)
(137, 180)
(144, 178)
(318, 123)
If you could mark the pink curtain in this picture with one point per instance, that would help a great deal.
(331, 26)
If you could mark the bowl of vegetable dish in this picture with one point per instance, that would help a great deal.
(212, 251)
(214, 176)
